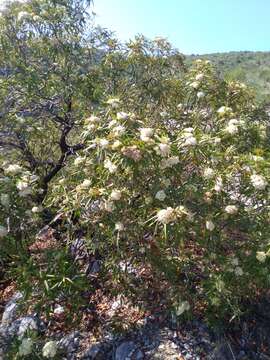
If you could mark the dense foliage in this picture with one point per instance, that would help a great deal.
(151, 164)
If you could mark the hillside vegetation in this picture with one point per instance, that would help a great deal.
(250, 67)
(134, 193)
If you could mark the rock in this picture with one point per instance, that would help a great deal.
(95, 267)
(166, 350)
(3, 341)
(128, 351)
(95, 352)
(69, 343)
(27, 323)
(10, 310)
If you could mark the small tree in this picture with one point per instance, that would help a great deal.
(49, 52)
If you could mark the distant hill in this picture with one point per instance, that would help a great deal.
(249, 67)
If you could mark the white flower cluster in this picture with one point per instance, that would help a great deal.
(187, 138)
(224, 110)
(166, 216)
(210, 225)
(231, 209)
(208, 173)
(258, 182)
(50, 349)
(109, 165)
(146, 134)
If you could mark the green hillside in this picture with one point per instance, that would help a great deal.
(250, 67)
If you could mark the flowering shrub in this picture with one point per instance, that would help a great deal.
(188, 195)
(18, 188)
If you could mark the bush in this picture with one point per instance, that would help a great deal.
(188, 195)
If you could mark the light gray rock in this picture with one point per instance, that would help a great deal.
(69, 343)
(128, 351)
(11, 309)
(27, 323)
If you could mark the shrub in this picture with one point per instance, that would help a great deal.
(188, 194)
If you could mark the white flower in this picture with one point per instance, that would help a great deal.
(163, 149)
(110, 166)
(209, 225)
(37, 209)
(180, 106)
(79, 160)
(258, 182)
(194, 84)
(122, 115)
(146, 134)
(231, 209)
(199, 77)
(233, 122)
(112, 123)
(92, 120)
(119, 226)
(232, 129)
(200, 94)
(114, 103)
(22, 185)
(163, 114)
(160, 195)
(173, 160)
(26, 347)
(116, 144)
(49, 349)
(238, 271)
(219, 184)
(187, 131)
(208, 173)
(190, 141)
(217, 140)
(165, 216)
(22, 15)
(86, 184)
(257, 158)
(58, 310)
(3, 231)
(103, 143)
(13, 169)
(115, 195)
(5, 200)
(261, 256)
(118, 130)
(224, 110)
(184, 306)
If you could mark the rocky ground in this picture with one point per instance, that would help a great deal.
(191, 340)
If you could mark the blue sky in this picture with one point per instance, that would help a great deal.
(193, 26)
